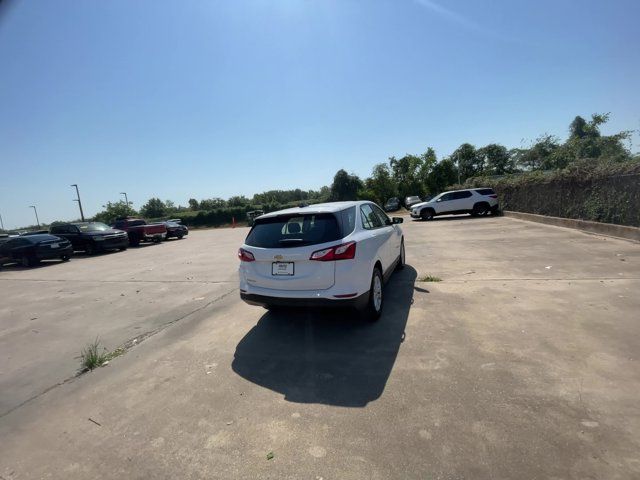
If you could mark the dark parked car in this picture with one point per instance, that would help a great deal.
(175, 229)
(411, 201)
(92, 236)
(392, 205)
(31, 249)
(35, 232)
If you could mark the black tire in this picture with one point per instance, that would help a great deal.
(122, 249)
(180, 235)
(480, 209)
(373, 310)
(427, 214)
(89, 249)
(65, 258)
(401, 257)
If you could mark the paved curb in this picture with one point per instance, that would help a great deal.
(620, 231)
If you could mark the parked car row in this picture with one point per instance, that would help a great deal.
(29, 248)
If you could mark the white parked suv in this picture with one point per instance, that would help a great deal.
(476, 201)
(330, 254)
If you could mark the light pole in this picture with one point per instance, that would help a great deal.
(1, 223)
(36, 212)
(458, 162)
(78, 200)
(125, 198)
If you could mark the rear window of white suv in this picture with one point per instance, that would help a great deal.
(294, 231)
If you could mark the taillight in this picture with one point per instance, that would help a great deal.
(346, 251)
(245, 256)
(493, 196)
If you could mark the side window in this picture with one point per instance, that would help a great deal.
(369, 218)
(461, 195)
(119, 224)
(384, 220)
(446, 197)
(348, 220)
(55, 230)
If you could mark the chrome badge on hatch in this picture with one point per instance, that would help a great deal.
(278, 257)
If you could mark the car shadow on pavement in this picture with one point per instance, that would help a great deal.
(330, 357)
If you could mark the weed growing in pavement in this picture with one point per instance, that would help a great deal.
(95, 355)
(429, 278)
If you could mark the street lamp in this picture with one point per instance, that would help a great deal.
(36, 212)
(1, 223)
(125, 198)
(78, 200)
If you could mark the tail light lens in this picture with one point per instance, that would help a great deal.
(245, 255)
(346, 251)
(493, 196)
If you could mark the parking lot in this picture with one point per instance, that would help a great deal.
(521, 363)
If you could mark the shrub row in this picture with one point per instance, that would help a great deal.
(606, 192)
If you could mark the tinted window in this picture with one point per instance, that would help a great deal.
(348, 217)
(446, 197)
(485, 191)
(460, 195)
(58, 229)
(369, 218)
(294, 231)
(384, 220)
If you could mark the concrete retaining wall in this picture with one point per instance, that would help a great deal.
(621, 231)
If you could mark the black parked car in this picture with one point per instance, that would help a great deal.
(175, 229)
(392, 205)
(31, 249)
(92, 236)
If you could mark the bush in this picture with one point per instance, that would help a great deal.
(601, 191)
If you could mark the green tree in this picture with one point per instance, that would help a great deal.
(406, 174)
(193, 204)
(154, 208)
(444, 173)
(428, 162)
(538, 157)
(238, 201)
(468, 161)
(496, 159)
(379, 187)
(345, 186)
(113, 210)
(212, 203)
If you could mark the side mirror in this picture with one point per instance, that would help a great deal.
(397, 220)
(439, 200)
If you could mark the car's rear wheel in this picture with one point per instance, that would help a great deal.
(373, 310)
(180, 235)
(480, 209)
(426, 214)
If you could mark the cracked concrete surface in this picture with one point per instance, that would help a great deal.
(505, 369)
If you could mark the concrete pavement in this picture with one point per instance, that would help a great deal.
(522, 363)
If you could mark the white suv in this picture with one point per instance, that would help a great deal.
(329, 254)
(476, 201)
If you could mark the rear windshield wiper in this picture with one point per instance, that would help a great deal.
(283, 240)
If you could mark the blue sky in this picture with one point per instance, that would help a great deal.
(181, 99)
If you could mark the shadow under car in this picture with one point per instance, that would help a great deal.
(328, 356)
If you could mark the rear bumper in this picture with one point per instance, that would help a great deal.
(264, 300)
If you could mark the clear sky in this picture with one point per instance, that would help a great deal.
(181, 99)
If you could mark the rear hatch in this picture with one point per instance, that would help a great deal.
(282, 247)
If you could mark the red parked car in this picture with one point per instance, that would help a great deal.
(141, 231)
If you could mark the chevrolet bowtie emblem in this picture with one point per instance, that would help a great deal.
(278, 257)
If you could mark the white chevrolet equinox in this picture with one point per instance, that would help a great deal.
(330, 254)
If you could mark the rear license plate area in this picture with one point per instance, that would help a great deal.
(282, 268)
